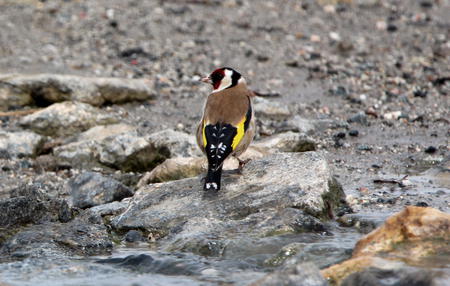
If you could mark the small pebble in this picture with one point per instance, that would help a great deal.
(364, 147)
(430, 150)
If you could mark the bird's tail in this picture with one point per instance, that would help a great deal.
(212, 181)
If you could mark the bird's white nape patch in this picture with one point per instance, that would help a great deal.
(225, 82)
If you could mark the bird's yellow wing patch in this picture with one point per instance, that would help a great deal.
(204, 134)
(240, 133)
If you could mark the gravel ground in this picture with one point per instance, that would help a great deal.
(378, 70)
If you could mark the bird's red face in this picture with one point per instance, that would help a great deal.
(223, 78)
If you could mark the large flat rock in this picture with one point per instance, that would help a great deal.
(256, 202)
(44, 89)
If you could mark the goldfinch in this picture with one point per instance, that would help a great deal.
(228, 125)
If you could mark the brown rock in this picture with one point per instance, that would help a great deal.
(411, 225)
(407, 236)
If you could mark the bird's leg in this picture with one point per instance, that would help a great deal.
(242, 164)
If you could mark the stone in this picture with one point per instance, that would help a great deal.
(287, 142)
(11, 96)
(30, 204)
(360, 118)
(270, 109)
(82, 153)
(20, 144)
(301, 274)
(20, 211)
(409, 226)
(119, 146)
(302, 125)
(45, 89)
(257, 203)
(402, 241)
(173, 169)
(144, 263)
(399, 277)
(178, 143)
(131, 152)
(100, 132)
(181, 167)
(58, 239)
(92, 189)
(66, 119)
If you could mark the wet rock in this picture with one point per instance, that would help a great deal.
(20, 144)
(417, 224)
(410, 236)
(19, 211)
(133, 236)
(287, 142)
(91, 189)
(304, 274)
(45, 89)
(58, 239)
(398, 277)
(181, 210)
(285, 252)
(65, 119)
(270, 109)
(144, 263)
(29, 204)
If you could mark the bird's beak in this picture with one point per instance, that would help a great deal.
(206, 79)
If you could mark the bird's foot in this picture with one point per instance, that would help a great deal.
(242, 164)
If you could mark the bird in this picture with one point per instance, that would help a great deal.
(227, 126)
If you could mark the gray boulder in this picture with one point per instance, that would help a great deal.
(30, 203)
(65, 119)
(45, 89)
(119, 146)
(130, 152)
(92, 189)
(178, 143)
(287, 142)
(83, 152)
(273, 196)
(20, 144)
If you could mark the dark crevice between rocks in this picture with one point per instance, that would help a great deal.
(46, 95)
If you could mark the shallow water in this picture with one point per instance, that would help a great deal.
(243, 261)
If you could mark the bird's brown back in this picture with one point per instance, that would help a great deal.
(228, 106)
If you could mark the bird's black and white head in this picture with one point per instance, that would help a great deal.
(223, 78)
